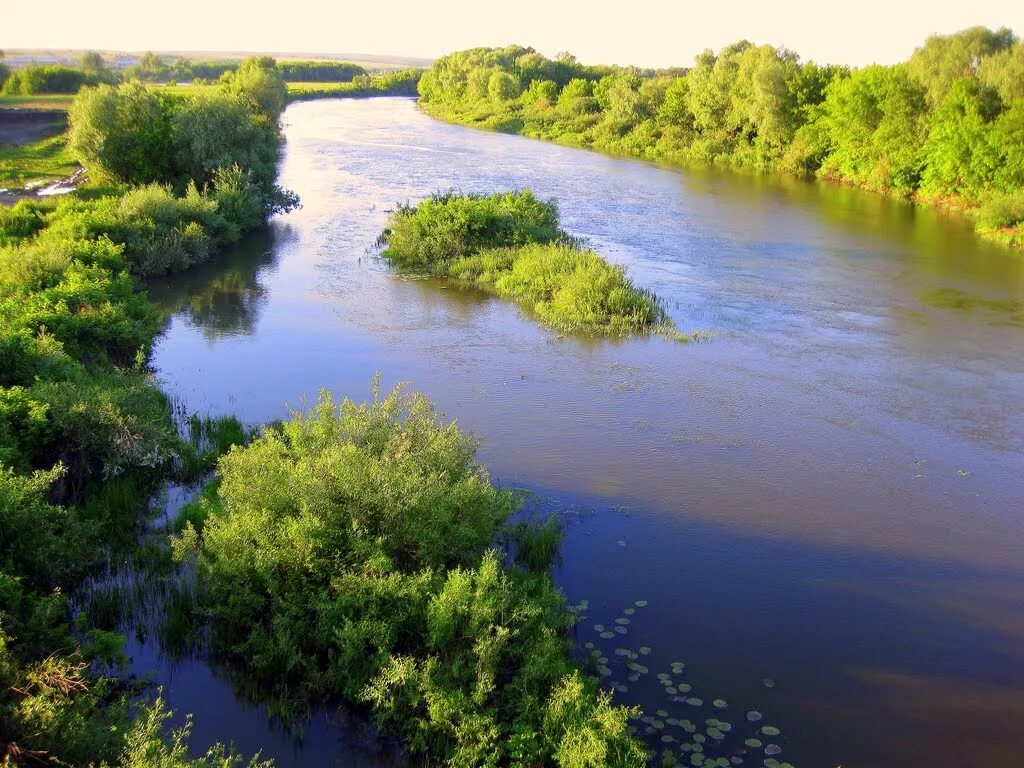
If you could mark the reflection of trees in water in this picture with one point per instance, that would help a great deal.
(223, 297)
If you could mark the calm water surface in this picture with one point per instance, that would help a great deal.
(830, 493)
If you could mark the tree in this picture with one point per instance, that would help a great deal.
(121, 133)
(93, 66)
(502, 87)
(1004, 71)
(258, 79)
(214, 130)
(944, 59)
(959, 157)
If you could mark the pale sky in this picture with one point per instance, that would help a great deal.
(658, 33)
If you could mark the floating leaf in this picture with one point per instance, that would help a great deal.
(754, 716)
(770, 730)
(695, 702)
(638, 668)
(633, 678)
(685, 687)
(671, 690)
(661, 713)
(753, 743)
(604, 671)
(659, 724)
(622, 621)
(607, 635)
(640, 603)
(720, 703)
(644, 650)
(599, 627)
(767, 682)
(622, 652)
(773, 749)
(700, 738)
(668, 738)
(621, 630)
(588, 645)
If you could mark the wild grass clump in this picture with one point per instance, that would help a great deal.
(536, 545)
(348, 554)
(510, 245)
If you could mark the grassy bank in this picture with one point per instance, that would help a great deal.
(942, 128)
(510, 245)
(37, 162)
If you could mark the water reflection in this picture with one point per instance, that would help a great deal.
(224, 296)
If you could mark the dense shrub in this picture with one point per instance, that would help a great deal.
(45, 78)
(510, 244)
(347, 553)
(451, 226)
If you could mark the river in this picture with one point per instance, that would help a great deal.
(828, 494)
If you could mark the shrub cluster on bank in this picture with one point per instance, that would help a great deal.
(946, 126)
(510, 244)
(84, 433)
(350, 553)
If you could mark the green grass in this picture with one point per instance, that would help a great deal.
(37, 101)
(44, 160)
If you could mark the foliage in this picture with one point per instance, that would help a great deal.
(46, 78)
(318, 71)
(450, 226)
(510, 244)
(946, 125)
(347, 553)
(257, 80)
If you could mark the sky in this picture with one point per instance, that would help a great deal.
(657, 33)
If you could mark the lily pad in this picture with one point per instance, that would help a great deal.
(622, 621)
(621, 630)
(720, 703)
(770, 730)
(661, 713)
(754, 716)
(695, 702)
(753, 743)
(640, 603)
(671, 690)
(599, 627)
(767, 682)
(629, 611)
(773, 749)
(644, 650)
(607, 635)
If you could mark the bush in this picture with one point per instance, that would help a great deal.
(1002, 212)
(121, 133)
(347, 554)
(450, 226)
(510, 245)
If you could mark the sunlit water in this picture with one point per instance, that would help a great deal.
(827, 494)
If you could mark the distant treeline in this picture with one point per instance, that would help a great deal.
(404, 82)
(94, 69)
(946, 126)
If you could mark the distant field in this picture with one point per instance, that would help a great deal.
(38, 101)
(21, 56)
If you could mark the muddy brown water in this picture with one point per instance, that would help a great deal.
(829, 493)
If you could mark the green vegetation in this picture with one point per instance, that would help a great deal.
(946, 127)
(402, 82)
(349, 553)
(510, 245)
(44, 160)
(85, 436)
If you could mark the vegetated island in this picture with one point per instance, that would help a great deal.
(510, 245)
(944, 128)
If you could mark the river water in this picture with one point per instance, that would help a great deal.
(829, 493)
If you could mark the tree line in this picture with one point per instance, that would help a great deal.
(945, 126)
(93, 69)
